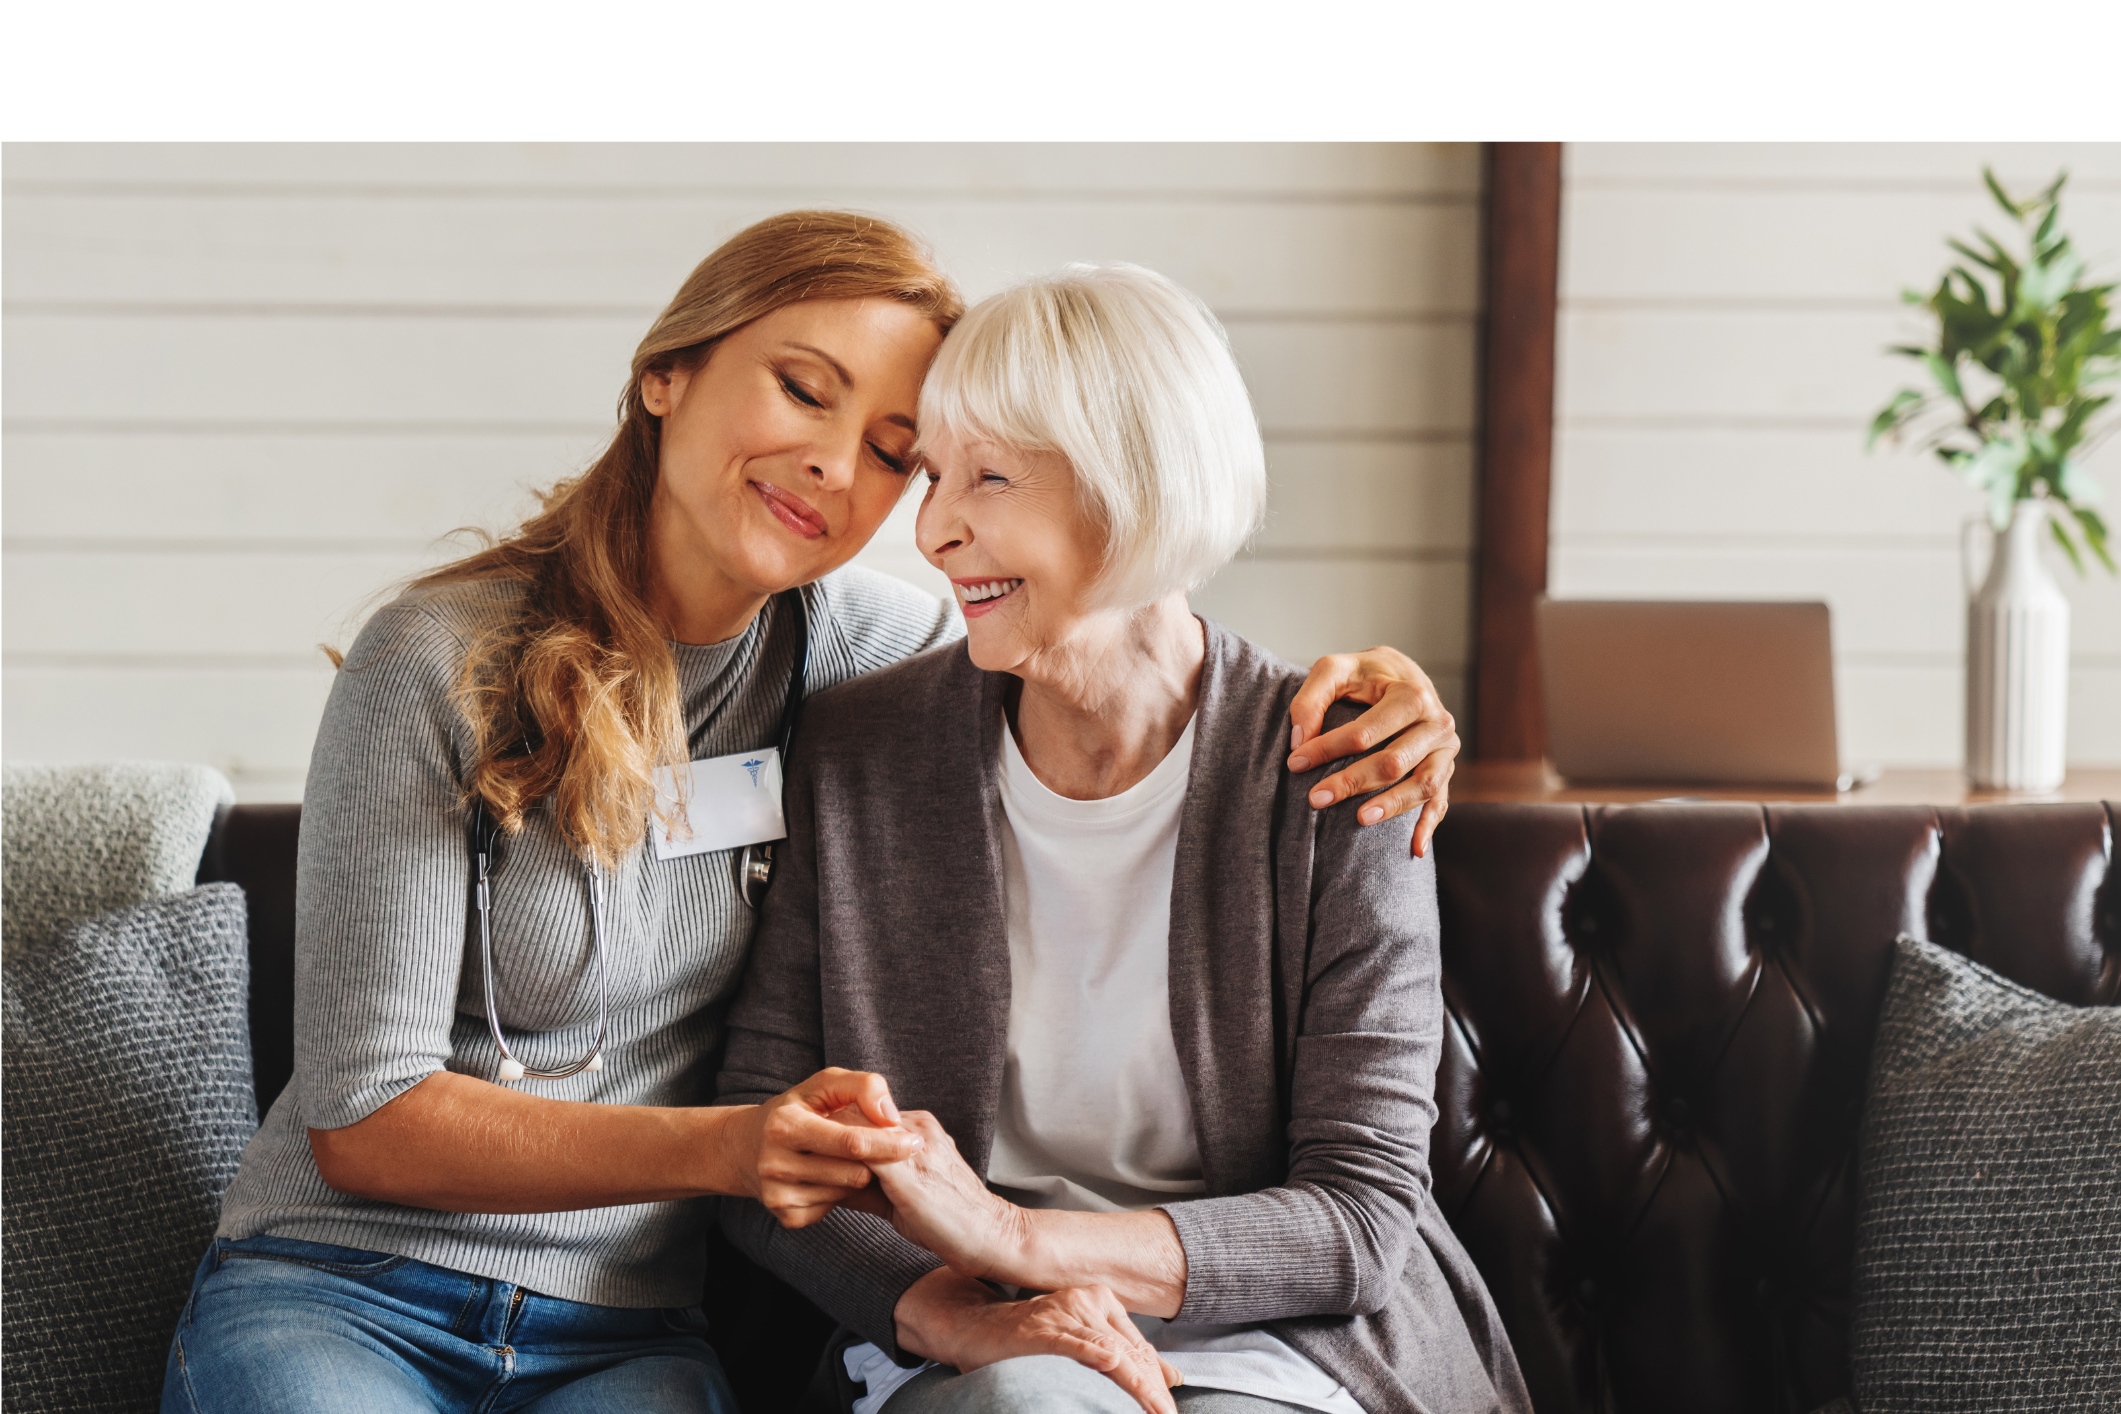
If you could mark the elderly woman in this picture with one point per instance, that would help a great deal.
(1182, 1027)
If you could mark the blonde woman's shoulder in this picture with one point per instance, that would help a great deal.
(438, 619)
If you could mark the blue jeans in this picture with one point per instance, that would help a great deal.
(276, 1326)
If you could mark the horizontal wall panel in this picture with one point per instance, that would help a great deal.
(1729, 247)
(1690, 365)
(213, 486)
(545, 372)
(1345, 170)
(633, 252)
(216, 486)
(1915, 714)
(1369, 496)
(1899, 714)
(1305, 609)
(281, 372)
(1819, 164)
(1906, 598)
(159, 604)
(257, 727)
(1760, 481)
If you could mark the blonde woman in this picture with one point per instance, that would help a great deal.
(1171, 1030)
(418, 1225)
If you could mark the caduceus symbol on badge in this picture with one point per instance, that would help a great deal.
(754, 767)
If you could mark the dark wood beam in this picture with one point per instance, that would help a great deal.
(1522, 239)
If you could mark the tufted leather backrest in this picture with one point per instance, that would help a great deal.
(1660, 1022)
(1660, 1025)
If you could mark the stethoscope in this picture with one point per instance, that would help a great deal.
(754, 874)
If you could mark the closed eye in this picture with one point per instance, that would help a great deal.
(896, 464)
(798, 392)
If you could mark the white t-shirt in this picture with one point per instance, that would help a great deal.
(1094, 1114)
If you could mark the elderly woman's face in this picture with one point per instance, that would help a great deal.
(787, 448)
(1005, 525)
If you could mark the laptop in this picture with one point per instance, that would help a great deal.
(1656, 692)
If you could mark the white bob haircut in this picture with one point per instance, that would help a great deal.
(1129, 377)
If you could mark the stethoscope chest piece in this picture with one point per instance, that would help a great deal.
(754, 871)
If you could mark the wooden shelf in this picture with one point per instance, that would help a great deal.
(1536, 781)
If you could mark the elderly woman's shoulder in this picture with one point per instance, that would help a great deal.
(1249, 688)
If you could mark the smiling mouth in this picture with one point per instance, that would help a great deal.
(791, 511)
(980, 596)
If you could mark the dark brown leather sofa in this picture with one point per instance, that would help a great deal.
(1661, 1018)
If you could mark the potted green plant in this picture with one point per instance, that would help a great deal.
(2022, 348)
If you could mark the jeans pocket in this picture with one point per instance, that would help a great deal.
(686, 1320)
(318, 1256)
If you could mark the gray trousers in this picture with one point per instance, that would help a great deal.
(1053, 1384)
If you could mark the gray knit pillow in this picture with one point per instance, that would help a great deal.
(126, 1057)
(1988, 1240)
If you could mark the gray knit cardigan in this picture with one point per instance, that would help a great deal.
(1305, 1002)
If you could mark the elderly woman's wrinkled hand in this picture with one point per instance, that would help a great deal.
(799, 1161)
(934, 1199)
(1406, 710)
(956, 1320)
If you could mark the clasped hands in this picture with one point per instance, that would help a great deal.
(837, 1140)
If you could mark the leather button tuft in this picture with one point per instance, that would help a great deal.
(1676, 1113)
(1587, 1293)
(1587, 925)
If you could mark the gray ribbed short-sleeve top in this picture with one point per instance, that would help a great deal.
(387, 977)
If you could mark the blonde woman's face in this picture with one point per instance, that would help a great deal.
(788, 447)
(1006, 526)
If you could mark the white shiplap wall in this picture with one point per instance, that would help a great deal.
(248, 386)
(1724, 314)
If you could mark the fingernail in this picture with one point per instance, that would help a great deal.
(1299, 763)
(1371, 814)
(1296, 737)
(892, 1110)
(1321, 798)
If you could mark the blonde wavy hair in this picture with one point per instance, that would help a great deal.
(577, 701)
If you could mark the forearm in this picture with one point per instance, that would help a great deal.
(1137, 1255)
(462, 1145)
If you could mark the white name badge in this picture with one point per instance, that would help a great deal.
(730, 801)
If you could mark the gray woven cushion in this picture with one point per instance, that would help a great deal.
(83, 840)
(126, 1056)
(1988, 1243)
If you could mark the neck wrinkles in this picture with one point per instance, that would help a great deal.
(1095, 715)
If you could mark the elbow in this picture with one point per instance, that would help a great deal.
(1381, 1236)
(345, 1164)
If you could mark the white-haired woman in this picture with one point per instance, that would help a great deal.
(420, 1225)
(1181, 1027)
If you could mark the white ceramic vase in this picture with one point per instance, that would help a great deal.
(2017, 663)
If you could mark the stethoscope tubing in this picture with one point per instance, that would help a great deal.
(594, 1060)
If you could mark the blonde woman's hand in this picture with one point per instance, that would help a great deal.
(934, 1199)
(1405, 710)
(951, 1318)
(800, 1163)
